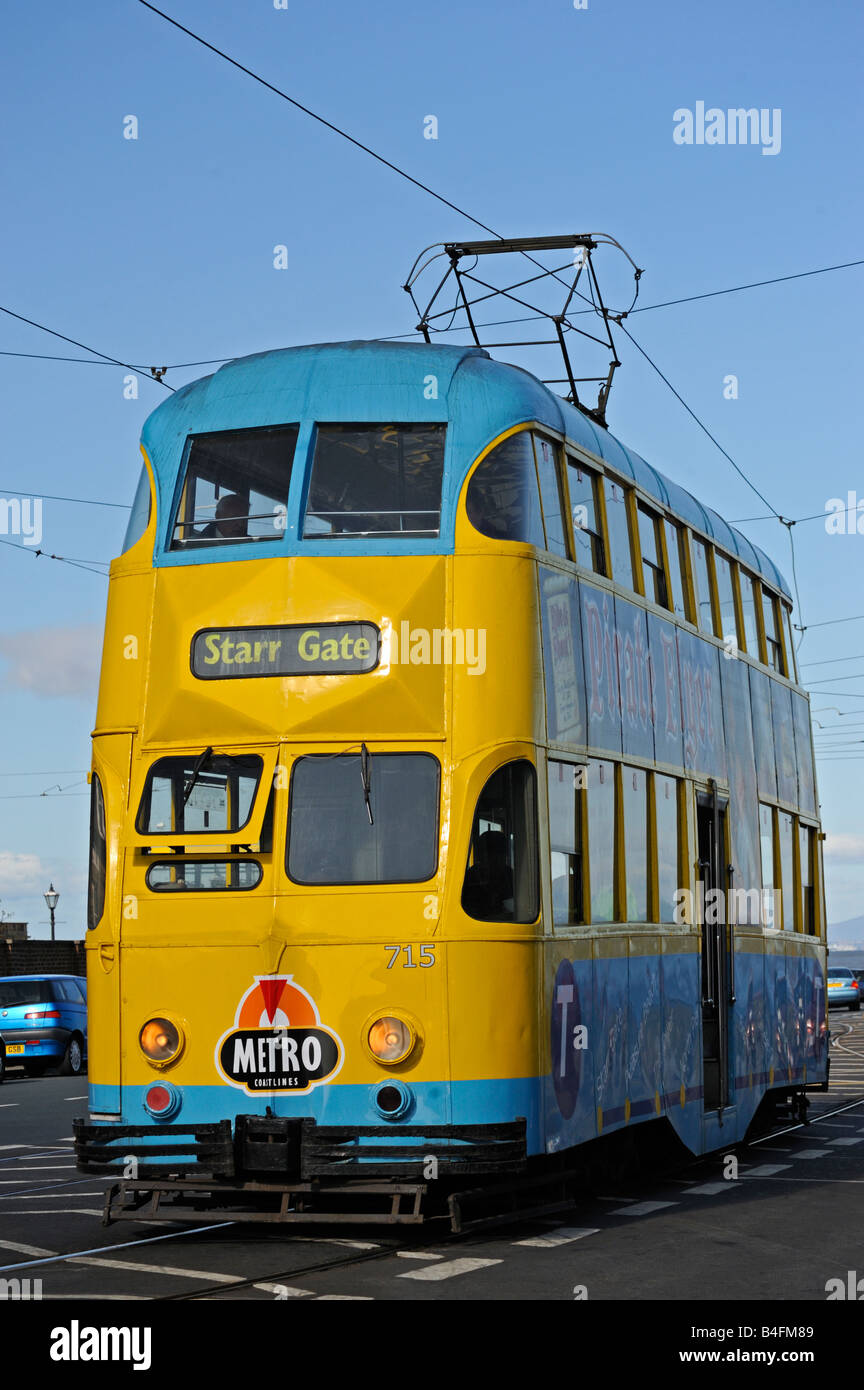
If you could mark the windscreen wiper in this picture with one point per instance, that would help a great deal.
(199, 764)
(365, 759)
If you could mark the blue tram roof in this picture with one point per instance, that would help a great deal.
(380, 382)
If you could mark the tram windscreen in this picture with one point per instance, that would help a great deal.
(376, 480)
(235, 488)
(336, 834)
(199, 793)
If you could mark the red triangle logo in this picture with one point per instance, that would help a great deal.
(271, 991)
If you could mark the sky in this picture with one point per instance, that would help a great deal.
(160, 250)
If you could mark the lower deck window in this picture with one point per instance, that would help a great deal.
(203, 876)
(501, 878)
(370, 818)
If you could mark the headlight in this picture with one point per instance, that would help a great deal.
(390, 1039)
(160, 1040)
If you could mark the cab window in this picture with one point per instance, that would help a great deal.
(203, 793)
(363, 818)
(501, 876)
(375, 480)
(235, 489)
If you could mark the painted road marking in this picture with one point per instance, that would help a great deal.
(836, 1124)
(53, 1257)
(10, 1105)
(449, 1269)
(418, 1255)
(846, 1141)
(68, 1098)
(44, 1196)
(811, 1153)
(23, 1249)
(346, 1297)
(349, 1244)
(49, 1168)
(710, 1189)
(563, 1236)
(136, 1268)
(57, 1211)
(766, 1170)
(284, 1290)
(643, 1208)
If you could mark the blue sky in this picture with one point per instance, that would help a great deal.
(550, 119)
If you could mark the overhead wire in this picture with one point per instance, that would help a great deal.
(75, 343)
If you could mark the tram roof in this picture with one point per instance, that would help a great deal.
(478, 396)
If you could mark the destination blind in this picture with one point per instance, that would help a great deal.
(322, 649)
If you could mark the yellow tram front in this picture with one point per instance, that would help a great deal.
(326, 936)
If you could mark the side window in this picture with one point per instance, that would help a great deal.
(786, 831)
(618, 527)
(808, 896)
(770, 915)
(634, 806)
(702, 585)
(749, 599)
(601, 839)
(677, 601)
(501, 877)
(550, 494)
(653, 576)
(726, 596)
(98, 855)
(235, 488)
(587, 532)
(773, 644)
(503, 501)
(565, 842)
(666, 819)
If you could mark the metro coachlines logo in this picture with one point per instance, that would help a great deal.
(278, 1042)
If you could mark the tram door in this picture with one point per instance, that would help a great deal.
(711, 815)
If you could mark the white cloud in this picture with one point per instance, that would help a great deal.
(844, 847)
(58, 661)
(20, 874)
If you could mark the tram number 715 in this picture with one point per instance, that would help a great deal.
(426, 958)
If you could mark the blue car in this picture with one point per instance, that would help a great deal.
(843, 989)
(43, 1023)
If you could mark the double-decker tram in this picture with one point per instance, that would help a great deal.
(453, 797)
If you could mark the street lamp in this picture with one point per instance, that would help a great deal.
(52, 898)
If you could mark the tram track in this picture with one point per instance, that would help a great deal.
(278, 1283)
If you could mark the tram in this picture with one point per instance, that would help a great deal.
(453, 794)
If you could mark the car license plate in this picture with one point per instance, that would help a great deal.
(834, 984)
(13, 1049)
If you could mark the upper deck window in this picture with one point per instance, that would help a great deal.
(376, 480)
(210, 792)
(550, 492)
(618, 531)
(587, 530)
(236, 488)
(653, 575)
(503, 500)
